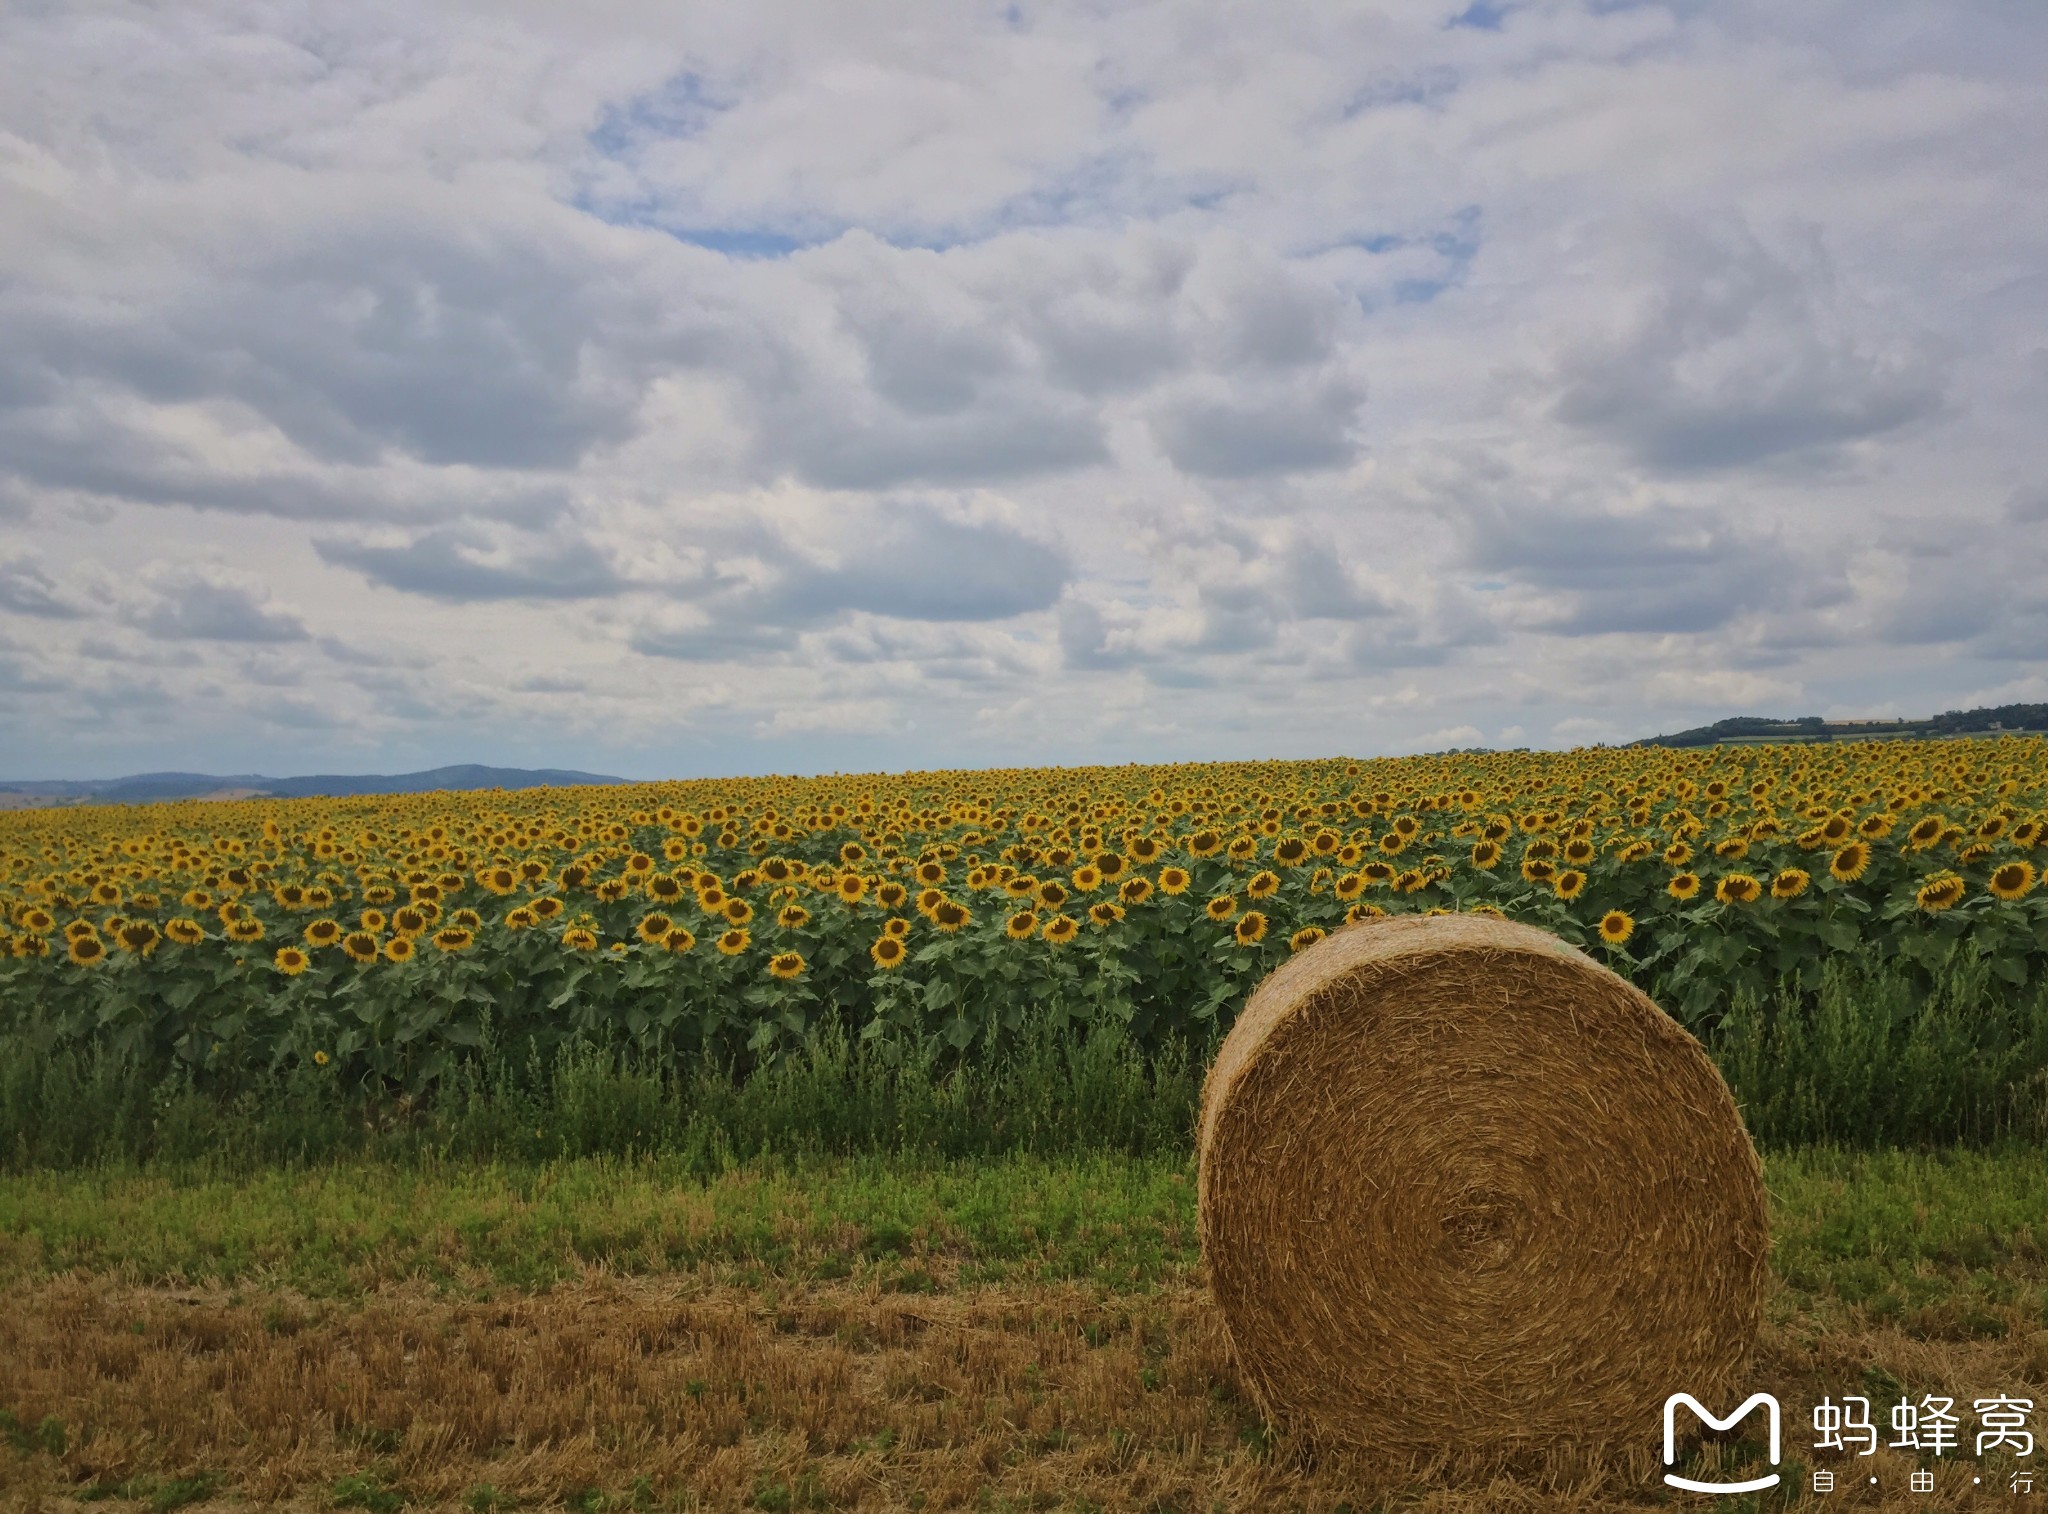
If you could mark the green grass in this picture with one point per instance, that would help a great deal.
(1892, 1230)
(1898, 1232)
(333, 1230)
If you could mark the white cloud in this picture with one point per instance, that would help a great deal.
(619, 385)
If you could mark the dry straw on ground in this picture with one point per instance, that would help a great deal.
(1464, 1190)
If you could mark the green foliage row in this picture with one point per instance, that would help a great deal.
(1868, 1058)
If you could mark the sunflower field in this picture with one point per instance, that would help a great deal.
(384, 940)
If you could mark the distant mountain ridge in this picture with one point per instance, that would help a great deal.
(1746, 729)
(144, 788)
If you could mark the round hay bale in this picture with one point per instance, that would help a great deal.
(1463, 1189)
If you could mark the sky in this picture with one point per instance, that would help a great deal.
(671, 391)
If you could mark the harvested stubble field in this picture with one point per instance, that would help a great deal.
(1016, 1334)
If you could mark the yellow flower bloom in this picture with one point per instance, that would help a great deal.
(1738, 888)
(1940, 891)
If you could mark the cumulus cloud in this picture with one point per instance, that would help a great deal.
(1222, 435)
(26, 589)
(759, 590)
(1732, 353)
(460, 563)
(202, 603)
(794, 380)
(1659, 571)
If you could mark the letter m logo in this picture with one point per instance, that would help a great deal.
(1754, 1401)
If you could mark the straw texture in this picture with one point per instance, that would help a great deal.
(1464, 1190)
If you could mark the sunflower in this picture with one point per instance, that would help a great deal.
(1244, 848)
(1537, 870)
(137, 936)
(1616, 926)
(247, 928)
(1222, 907)
(320, 1059)
(197, 898)
(360, 946)
(1022, 925)
(1135, 890)
(1568, 884)
(1250, 929)
(1677, 854)
(1359, 912)
(852, 889)
(678, 940)
(1578, 851)
(1174, 880)
(930, 874)
(1087, 879)
(737, 912)
(1206, 843)
(666, 888)
(1851, 862)
(1304, 938)
(322, 932)
(1350, 886)
(950, 916)
(731, 943)
(521, 918)
(1683, 885)
(1738, 888)
(929, 899)
(612, 890)
(786, 965)
(1375, 873)
(891, 895)
(1292, 852)
(888, 952)
(1635, 851)
(184, 932)
(1061, 929)
(1486, 855)
(290, 961)
(1105, 913)
(1791, 883)
(454, 938)
(1940, 891)
(86, 950)
(793, 917)
(2015, 880)
(896, 926)
(581, 939)
(546, 907)
(1263, 885)
(399, 949)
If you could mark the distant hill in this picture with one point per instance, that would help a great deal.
(146, 788)
(1743, 729)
